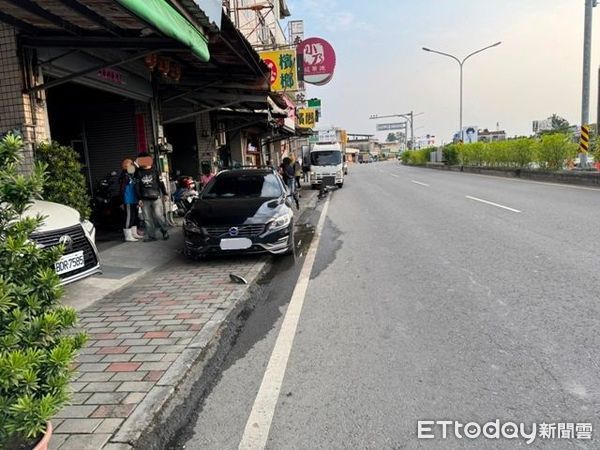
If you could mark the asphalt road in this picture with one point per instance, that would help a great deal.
(434, 296)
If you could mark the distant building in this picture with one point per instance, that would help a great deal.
(428, 140)
(491, 136)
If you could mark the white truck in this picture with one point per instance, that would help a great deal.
(327, 165)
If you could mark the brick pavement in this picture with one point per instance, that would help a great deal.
(143, 339)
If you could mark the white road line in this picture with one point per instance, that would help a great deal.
(395, 176)
(419, 183)
(257, 428)
(492, 203)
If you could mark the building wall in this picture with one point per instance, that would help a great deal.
(206, 141)
(17, 110)
(249, 22)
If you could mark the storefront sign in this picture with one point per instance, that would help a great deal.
(307, 117)
(319, 60)
(111, 75)
(283, 67)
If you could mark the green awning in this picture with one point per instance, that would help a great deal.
(166, 19)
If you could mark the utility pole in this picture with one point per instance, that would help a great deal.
(585, 91)
(587, 55)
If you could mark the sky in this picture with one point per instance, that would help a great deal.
(382, 69)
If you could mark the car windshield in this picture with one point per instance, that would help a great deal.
(243, 185)
(326, 158)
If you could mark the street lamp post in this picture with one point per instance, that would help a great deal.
(461, 63)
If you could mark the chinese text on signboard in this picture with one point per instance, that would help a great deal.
(283, 69)
(306, 117)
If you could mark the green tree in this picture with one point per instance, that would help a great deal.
(36, 351)
(65, 183)
(391, 137)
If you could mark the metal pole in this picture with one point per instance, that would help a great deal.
(587, 52)
(412, 130)
(598, 110)
(460, 126)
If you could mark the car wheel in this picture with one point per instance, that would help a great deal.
(315, 186)
(340, 185)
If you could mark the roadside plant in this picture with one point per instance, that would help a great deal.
(36, 352)
(553, 150)
(450, 154)
(65, 183)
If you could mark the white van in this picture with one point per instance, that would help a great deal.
(327, 165)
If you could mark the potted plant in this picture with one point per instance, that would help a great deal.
(36, 348)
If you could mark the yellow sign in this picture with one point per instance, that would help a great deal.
(307, 117)
(284, 75)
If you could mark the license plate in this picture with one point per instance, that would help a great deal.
(236, 244)
(70, 262)
(329, 181)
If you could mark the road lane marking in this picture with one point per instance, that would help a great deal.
(395, 176)
(419, 183)
(492, 204)
(258, 426)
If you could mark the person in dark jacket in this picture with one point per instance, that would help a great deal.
(127, 181)
(150, 187)
(286, 170)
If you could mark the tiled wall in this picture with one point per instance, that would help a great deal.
(17, 111)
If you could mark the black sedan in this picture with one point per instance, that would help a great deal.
(241, 211)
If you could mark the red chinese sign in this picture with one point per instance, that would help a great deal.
(319, 60)
(274, 72)
(111, 75)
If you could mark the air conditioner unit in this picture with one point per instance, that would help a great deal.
(264, 34)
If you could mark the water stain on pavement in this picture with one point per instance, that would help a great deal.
(328, 247)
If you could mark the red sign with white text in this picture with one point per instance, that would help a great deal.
(319, 60)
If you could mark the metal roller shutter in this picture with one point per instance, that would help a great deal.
(110, 135)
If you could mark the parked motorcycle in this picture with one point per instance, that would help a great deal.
(185, 195)
(106, 203)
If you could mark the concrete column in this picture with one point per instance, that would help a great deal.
(236, 144)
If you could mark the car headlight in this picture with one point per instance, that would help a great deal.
(339, 173)
(87, 226)
(280, 222)
(190, 225)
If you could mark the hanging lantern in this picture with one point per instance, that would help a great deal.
(163, 66)
(150, 61)
(175, 72)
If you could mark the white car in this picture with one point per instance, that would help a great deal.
(63, 225)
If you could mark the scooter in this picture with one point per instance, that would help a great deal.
(106, 203)
(185, 196)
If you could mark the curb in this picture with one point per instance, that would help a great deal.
(166, 407)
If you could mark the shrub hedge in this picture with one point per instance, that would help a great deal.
(549, 152)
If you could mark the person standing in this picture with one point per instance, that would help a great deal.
(127, 185)
(206, 176)
(287, 173)
(150, 187)
(298, 173)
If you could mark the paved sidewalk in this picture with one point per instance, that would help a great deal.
(143, 340)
